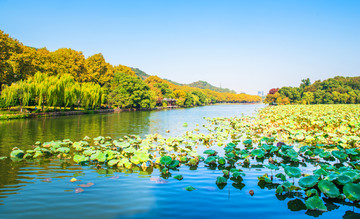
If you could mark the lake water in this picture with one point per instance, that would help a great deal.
(42, 189)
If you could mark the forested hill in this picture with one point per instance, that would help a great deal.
(197, 84)
(206, 85)
(335, 90)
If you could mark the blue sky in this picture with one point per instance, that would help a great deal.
(243, 45)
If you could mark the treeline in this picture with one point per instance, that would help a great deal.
(337, 90)
(65, 78)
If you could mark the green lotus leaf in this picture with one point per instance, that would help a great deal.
(320, 172)
(178, 177)
(266, 147)
(238, 174)
(166, 160)
(221, 180)
(113, 162)
(315, 203)
(174, 164)
(325, 154)
(329, 189)
(291, 153)
(64, 150)
(279, 189)
(343, 179)
(352, 191)
(311, 192)
(164, 170)
(259, 153)
(339, 155)
(193, 162)
(247, 142)
(352, 174)
(124, 163)
(225, 172)
(80, 158)
(210, 152)
(210, 160)
(317, 151)
(183, 159)
(221, 161)
(332, 176)
(230, 155)
(308, 181)
(303, 149)
(351, 151)
(281, 176)
(272, 167)
(38, 154)
(309, 153)
(99, 156)
(292, 171)
(189, 188)
(17, 154)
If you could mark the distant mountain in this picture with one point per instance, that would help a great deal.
(140, 73)
(206, 85)
(197, 84)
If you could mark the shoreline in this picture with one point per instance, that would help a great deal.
(5, 117)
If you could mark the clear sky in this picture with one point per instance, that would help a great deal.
(242, 45)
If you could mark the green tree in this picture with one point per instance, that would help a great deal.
(126, 91)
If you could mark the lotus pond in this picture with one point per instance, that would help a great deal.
(279, 162)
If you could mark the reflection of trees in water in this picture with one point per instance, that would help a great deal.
(23, 133)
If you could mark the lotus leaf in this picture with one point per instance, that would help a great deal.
(210, 152)
(113, 162)
(259, 153)
(292, 154)
(343, 179)
(17, 153)
(124, 163)
(325, 154)
(281, 176)
(247, 142)
(339, 155)
(272, 167)
(352, 174)
(80, 158)
(311, 192)
(238, 174)
(332, 176)
(166, 160)
(292, 171)
(38, 154)
(210, 160)
(178, 177)
(352, 191)
(221, 161)
(64, 150)
(221, 180)
(99, 156)
(189, 188)
(279, 189)
(174, 164)
(315, 203)
(308, 181)
(320, 172)
(329, 189)
(193, 162)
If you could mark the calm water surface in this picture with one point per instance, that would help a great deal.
(41, 189)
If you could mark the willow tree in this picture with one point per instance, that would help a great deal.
(18, 93)
(91, 94)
